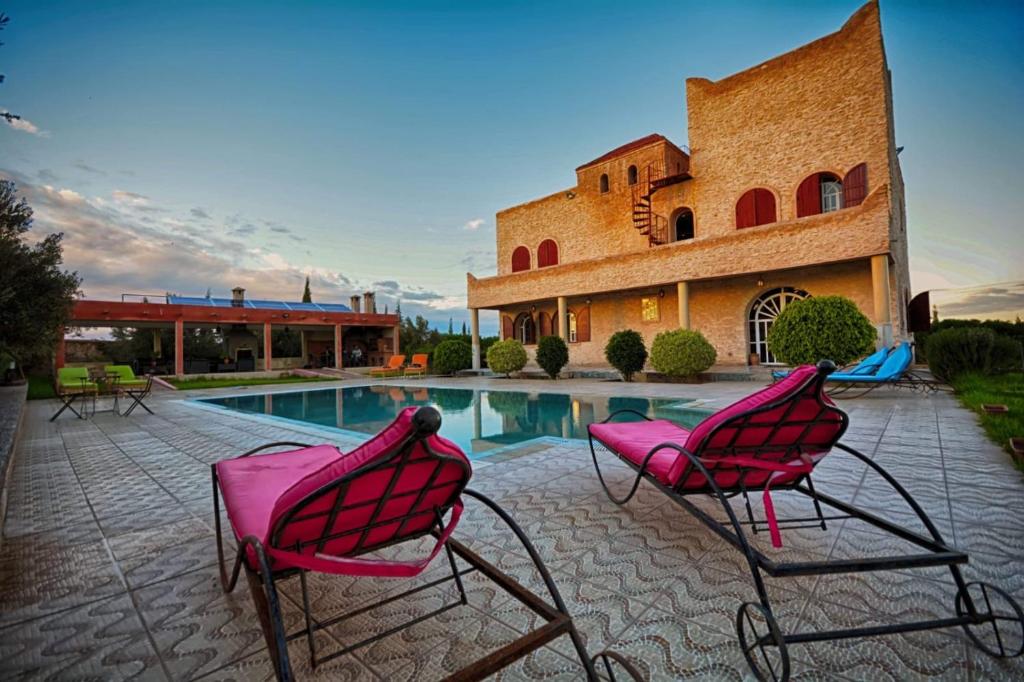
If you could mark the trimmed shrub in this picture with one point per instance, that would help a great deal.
(452, 356)
(552, 355)
(506, 357)
(452, 400)
(955, 351)
(625, 352)
(824, 327)
(682, 353)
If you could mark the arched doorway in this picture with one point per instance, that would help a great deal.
(526, 330)
(682, 224)
(763, 312)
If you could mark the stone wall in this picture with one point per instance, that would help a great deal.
(718, 308)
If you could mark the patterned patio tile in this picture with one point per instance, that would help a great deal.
(154, 554)
(152, 516)
(103, 640)
(259, 667)
(39, 578)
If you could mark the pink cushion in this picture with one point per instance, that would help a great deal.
(265, 489)
(779, 434)
(634, 440)
(251, 485)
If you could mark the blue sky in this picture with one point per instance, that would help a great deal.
(192, 145)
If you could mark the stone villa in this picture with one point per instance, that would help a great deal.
(791, 187)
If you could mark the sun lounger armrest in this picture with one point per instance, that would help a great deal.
(627, 410)
(279, 444)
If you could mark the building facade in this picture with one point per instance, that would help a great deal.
(791, 187)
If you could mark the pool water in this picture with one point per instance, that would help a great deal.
(479, 421)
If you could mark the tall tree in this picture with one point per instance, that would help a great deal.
(307, 295)
(36, 295)
(451, 327)
(464, 328)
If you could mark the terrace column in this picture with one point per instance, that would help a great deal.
(683, 301)
(881, 297)
(158, 350)
(337, 346)
(267, 352)
(179, 347)
(474, 330)
(563, 314)
(395, 333)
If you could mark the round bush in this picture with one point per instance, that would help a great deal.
(505, 357)
(507, 403)
(452, 400)
(682, 353)
(625, 352)
(452, 356)
(955, 351)
(552, 355)
(825, 327)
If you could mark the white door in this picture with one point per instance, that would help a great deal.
(763, 313)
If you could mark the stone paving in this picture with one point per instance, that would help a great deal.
(108, 562)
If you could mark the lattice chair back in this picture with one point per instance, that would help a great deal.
(397, 486)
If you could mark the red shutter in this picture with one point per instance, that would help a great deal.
(547, 253)
(808, 196)
(746, 215)
(520, 259)
(764, 206)
(583, 324)
(545, 323)
(855, 186)
(506, 327)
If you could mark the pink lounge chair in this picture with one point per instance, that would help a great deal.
(773, 439)
(318, 509)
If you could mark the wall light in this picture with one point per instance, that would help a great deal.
(760, 282)
(661, 293)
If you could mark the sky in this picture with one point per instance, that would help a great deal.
(193, 145)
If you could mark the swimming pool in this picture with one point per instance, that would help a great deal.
(479, 421)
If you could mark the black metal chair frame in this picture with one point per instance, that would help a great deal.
(138, 395)
(263, 579)
(67, 399)
(844, 390)
(767, 651)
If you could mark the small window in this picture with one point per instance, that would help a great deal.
(649, 311)
(604, 183)
(755, 207)
(570, 324)
(831, 195)
(631, 175)
(520, 259)
(683, 227)
(547, 253)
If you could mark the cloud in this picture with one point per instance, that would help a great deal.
(46, 176)
(129, 198)
(199, 214)
(83, 166)
(22, 124)
(474, 224)
(280, 229)
(1002, 301)
(390, 287)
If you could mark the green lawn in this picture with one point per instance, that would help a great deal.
(40, 388)
(974, 390)
(227, 382)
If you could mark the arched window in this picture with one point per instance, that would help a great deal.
(763, 312)
(525, 330)
(755, 207)
(604, 183)
(570, 325)
(631, 175)
(819, 193)
(682, 225)
(520, 259)
(547, 253)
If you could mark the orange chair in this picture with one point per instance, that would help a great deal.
(418, 366)
(393, 368)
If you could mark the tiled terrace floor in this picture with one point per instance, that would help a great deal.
(108, 566)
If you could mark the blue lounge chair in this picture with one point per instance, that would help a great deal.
(868, 365)
(895, 371)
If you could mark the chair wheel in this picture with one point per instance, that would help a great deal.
(997, 626)
(762, 642)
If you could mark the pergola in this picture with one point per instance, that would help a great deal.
(199, 312)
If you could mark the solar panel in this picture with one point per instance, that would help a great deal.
(260, 303)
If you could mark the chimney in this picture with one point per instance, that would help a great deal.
(368, 302)
(238, 297)
(353, 303)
